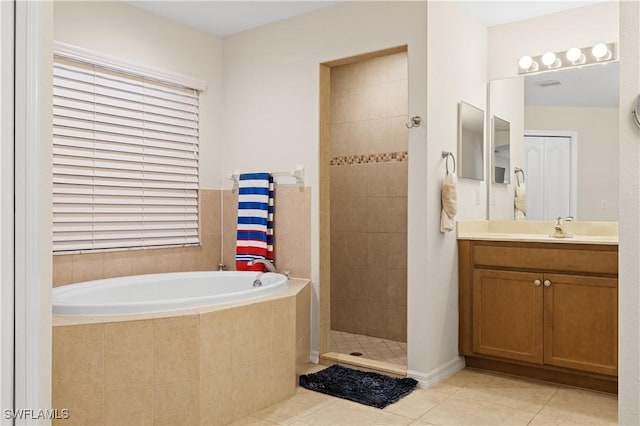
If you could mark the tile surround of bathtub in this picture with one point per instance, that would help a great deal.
(292, 229)
(218, 215)
(200, 369)
(368, 197)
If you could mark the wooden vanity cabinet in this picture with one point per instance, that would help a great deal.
(544, 310)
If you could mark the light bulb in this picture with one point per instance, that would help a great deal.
(574, 55)
(525, 62)
(549, 59)
(600, 51)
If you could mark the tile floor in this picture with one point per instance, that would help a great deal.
(370, 347)
(470, 397)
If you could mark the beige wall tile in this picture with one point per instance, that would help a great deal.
(387, 214)
(348, 181)
(374, 286)
(397, 323)
(216, 338)
(396, 292)
(84, 409)
(216, 404)
(176, 349)
(303, 311)
(129, 405)
(210, 211)
(62, 270)
(87, 267)
(117, 264)
(387, 179)
(78, 360)
(397, 66)
(303, 353)
(397, 99)
(211, 255)
(280, 384)
(397, 133)
(251, 333)
(243, 391)
(177, 403)
(377, 249)
(377, 319)
(283, 325)
(128, 359)
(397, 250)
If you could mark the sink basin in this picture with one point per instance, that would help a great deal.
(583, 232)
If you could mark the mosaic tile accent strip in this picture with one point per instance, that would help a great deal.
(385, 157)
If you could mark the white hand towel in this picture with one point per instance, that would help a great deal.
(449, 202)
(520, 201)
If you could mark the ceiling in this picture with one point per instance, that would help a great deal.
(223, 18)
(492, 13)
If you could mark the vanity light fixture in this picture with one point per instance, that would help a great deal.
(573, 57)
(601, 52)
(527, 64)
(551, 60)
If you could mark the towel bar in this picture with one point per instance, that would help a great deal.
(297, 174)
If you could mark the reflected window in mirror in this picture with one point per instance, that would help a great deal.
(470, 141)
(501, 139)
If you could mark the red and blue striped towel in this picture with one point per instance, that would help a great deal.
(255, 220)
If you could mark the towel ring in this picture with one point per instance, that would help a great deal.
(447, 154)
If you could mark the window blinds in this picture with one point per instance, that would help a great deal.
(125, 160)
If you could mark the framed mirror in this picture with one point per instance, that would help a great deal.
(470, 142)
(501, 142)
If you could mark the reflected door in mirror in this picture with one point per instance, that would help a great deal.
(548, 163)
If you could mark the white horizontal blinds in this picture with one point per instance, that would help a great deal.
(125, 160)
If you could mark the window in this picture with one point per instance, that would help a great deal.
(125, 158)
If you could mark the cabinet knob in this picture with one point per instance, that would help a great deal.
(547, 283)
(537, 282)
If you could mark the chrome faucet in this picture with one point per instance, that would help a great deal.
(558, 230)
(267, 264)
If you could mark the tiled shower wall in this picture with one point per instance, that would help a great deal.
(369, 197)
(218, 215)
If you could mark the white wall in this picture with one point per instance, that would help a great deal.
(629, 273)
(506, 98)
(122, 31)
(598, 151)
(457, 64)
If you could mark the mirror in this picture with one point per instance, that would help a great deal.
(501, 138)
(564, 135)
(470, 141)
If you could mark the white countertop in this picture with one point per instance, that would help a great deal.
(538, 231)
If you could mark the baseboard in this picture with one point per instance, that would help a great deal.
(439, 374)
(314, 357)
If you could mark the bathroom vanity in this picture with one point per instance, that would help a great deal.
(538, 306)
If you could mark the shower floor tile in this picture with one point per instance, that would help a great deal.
(370, 347)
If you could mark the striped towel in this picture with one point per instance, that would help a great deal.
(255, 220)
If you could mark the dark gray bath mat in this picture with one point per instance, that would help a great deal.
(372, 389)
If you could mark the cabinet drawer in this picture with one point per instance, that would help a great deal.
(583, 259)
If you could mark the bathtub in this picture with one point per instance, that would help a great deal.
(140, 294)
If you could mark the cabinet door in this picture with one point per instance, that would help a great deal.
(581, 323)
(507, 314)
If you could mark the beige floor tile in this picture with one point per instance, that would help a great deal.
(417, 403)
(462, 411)
(304, 402)
(512, 393)
(252, 421)
(341, 412)
(580, 407)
